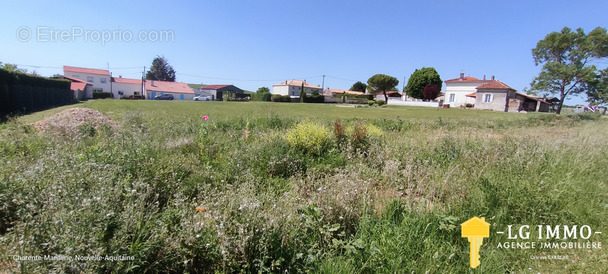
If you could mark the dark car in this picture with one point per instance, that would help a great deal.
(164, 97)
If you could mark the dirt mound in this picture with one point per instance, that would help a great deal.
(71, 120)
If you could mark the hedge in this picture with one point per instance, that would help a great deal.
(102, 95)
(365, 97)
(314, 99)
(280, 98)
(24, 93)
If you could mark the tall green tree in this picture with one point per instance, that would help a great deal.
(263, 90)
(381, 83)
(161, 70)
(358, 86)
(598, 90)
(420, 79)
(567, 58)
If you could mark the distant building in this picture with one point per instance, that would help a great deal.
(292, 88)
(456, 90)
(126, 87)
(217, 91)
(99, 78)
(82, 89)
(179, 90)
(498, 96)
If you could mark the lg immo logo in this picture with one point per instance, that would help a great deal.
(475, 229)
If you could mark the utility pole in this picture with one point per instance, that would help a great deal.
(143, 91)
(323, 84)
(403, 89)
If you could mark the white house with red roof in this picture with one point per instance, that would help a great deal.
(292, 88)
(126, 87)
(456, 90)
(99, 78)
(82, 89)
(498, 96)
(179, 90)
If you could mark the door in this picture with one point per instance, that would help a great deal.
(153, 95)
(181, 97)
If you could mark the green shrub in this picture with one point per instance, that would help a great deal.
(314, 99)
(309, 137)
(280, 98)
(371, 103)
(102, 95)
(380, 102)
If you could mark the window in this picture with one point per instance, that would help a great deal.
(452, 97)
(487, 98)
(136, 93)
(90, 79)
(103, 80)
(97, 90)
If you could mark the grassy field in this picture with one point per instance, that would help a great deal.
(275, 187)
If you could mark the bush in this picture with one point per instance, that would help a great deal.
(309, 138)
(371, 103)
(102, 95)
(380, 102)
(264, 96)
(314, 99)
(280, 98)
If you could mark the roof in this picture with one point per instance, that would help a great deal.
(297, 83)
(79, 85)
(214, 87)
(86, 70)
(465, 79)
(472, 95)
(164, 86)
(494, 84)
(340, 91)
(121, 80)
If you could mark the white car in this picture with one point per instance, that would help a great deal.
(203, 98)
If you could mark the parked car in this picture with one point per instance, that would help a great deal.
(165, 96)
(202, 98)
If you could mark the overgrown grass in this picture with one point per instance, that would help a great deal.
(381, 190)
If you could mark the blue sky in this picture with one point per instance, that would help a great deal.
(259, 43)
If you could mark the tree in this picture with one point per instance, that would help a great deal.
(566, 57)
(431, 91)
(381, 83)
(358, 86)
(262, 90)
(420, 79)
(598, 89)
(161, 70)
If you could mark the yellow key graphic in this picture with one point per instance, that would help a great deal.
(475, 229)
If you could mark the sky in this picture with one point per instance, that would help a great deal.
(260, 43)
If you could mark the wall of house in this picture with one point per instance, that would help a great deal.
(460, 90)
(498, 100)
(176, 96)
(127, 89)
(294, 90)
(95, 79)
(280, 90)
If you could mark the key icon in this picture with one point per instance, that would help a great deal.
(475, 229)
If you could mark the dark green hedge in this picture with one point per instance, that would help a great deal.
(24, 93)
(280, 98)
(366, 97)
(102, 95)
(314, 99)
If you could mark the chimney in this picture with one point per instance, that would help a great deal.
(119, 76)
(493, 77)
(484, 77)
(462, 75)
(152, 82)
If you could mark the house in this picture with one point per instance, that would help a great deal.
(179, 90)
(99, 78)
(392, 95)
(292, 88)
(126, 87)
(458, 92)
(217, 91)
(495, 95)
(82, 89)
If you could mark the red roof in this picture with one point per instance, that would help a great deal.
(86, 70)
(214, 87)
(79, 85)
(473, 95)
(121, 80)
(296, 83)
(172, 87)
(465, 79)
(494, 84)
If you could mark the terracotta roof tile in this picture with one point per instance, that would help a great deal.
(126, 80)
(340, 91)
(296, 83)
(172, 87)
(494, 84)
(86, 70)
(465, 79)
